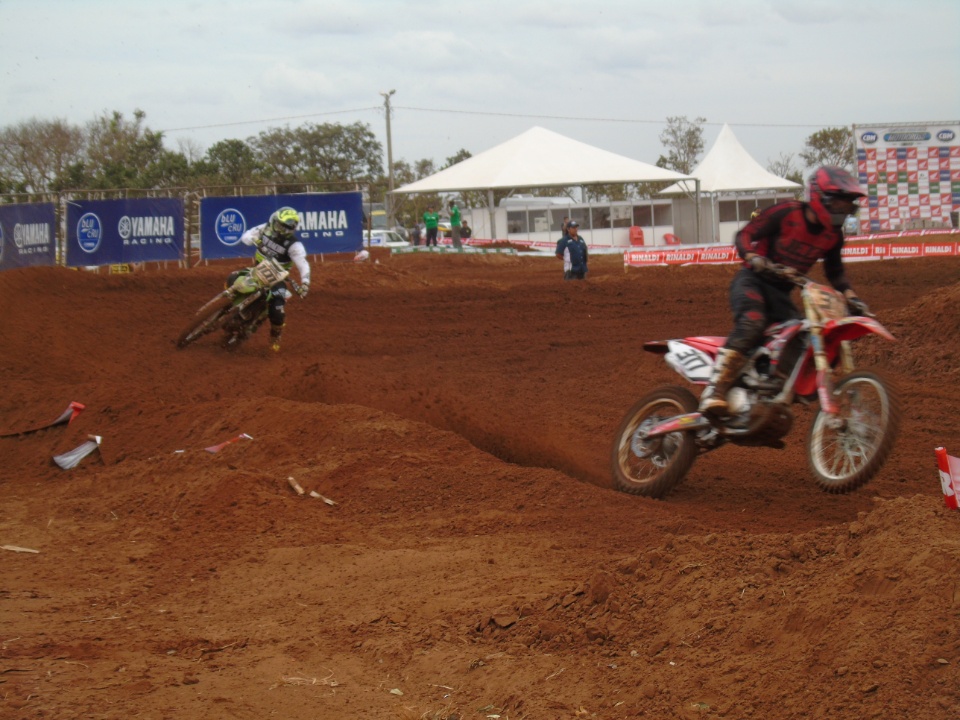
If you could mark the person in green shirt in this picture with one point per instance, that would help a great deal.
(455, 225)
(431, 221)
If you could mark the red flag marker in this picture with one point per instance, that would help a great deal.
(949, 467)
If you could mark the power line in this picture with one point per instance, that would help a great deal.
(267, 120)
(591, 119)
(632, 121)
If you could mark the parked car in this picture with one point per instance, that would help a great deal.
(385, 238)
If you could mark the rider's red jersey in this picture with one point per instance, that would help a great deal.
(783, 234)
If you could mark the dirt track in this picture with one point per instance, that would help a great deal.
(459, 411)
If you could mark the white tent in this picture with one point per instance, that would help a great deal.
(540, 158)
(729, 168)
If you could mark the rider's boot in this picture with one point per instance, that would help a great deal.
(713, 401)
(275, 332)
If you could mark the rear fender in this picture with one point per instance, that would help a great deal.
(693, 363)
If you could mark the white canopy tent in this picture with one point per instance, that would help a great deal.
(541, 158)
(728, 169)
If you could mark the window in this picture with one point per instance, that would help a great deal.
(517, 221)
(663, 214)
(538, 220)
(620, 215)
(642, 215)
(556, 217)
(727, 211)
(600, 217)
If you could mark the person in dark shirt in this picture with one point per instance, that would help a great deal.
(572, 249)
(466, 232)
(782, 241)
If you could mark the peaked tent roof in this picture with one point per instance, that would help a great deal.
(728, 167)
(540, 158)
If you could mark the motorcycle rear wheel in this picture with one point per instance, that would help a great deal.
(204, 324)
(847, 451)
(651, 468)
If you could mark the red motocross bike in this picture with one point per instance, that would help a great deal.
(805, 361)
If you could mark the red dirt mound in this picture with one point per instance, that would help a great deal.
(458, 413)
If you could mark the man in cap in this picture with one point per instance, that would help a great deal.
(572, 248)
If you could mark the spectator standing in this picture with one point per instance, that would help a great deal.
(455, 225)
(562, 251)
(465, 231)
(577, 246)
(431, 221)
(415, 234)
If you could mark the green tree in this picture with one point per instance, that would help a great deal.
(35, 154)
(230, 162)
(830, 146)
(683, 140)
(321, 153)
(122, 153)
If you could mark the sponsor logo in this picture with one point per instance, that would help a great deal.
(905, 249)
(907, 136)
(324, 223)
(89, 232)
(869, 137)
(229, 226)
(146, 230)
(857, 250)
(32, 238)
(938, 249)
(946, 135)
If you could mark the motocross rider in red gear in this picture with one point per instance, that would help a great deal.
(782, 241)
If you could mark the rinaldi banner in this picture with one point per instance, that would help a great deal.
(851, 252)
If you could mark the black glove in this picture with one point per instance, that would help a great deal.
(856, 306)
(769, 269)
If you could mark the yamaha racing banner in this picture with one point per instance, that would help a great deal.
(27, 235)
(112, 232)
(329, 222)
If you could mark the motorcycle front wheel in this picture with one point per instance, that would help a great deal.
(653, 467)
(847, 449)
(204, 324)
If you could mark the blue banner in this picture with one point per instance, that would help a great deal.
(27, 235)
(329, 222)
(112, 232)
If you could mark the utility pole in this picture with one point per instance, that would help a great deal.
(391, 220)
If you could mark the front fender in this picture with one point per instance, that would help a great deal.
(853, 327)
(834, 333)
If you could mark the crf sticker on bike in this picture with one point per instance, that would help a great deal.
(693, 364)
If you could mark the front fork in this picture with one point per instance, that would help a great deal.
(825, 385)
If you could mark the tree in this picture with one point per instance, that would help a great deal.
(230, 162)
(122, 153)
(830, 146)
(324, 153)
(684, 142)
(783, 167)
(35, 155)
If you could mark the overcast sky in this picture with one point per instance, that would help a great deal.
(472, 74)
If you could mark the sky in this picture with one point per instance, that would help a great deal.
(470, 74)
